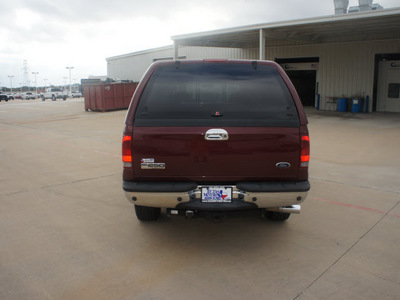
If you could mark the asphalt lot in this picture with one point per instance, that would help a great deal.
(67, 231)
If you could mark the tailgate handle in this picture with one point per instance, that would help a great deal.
(216, 135)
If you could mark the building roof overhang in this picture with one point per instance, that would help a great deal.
(351, 27)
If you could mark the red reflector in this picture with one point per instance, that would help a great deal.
(126, 158)
(305, 150)
(127, 150)
(305, 158)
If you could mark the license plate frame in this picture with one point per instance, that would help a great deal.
(216, 194)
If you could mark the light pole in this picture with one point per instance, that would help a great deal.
(11, 76)
(70, 88)
(65, 82)
(35, 73)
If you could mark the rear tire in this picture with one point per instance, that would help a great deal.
(276, 216)
(145, 213)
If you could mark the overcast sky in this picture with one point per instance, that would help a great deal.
(53, 34)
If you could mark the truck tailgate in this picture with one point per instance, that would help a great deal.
(183, 154)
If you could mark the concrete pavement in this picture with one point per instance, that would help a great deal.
(67, 231)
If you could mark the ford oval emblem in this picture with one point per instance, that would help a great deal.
(283, 165)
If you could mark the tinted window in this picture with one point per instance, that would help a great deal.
(216, 94)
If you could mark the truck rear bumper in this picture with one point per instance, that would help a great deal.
(187, 195)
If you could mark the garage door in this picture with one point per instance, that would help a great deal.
(389, 86)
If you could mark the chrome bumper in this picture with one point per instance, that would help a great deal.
(274, 201)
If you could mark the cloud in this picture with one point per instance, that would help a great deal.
(51, 34)
(25, 18)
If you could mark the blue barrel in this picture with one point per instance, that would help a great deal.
(356, 105)
(342, 104)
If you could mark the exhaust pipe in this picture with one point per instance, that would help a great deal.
(293, 209)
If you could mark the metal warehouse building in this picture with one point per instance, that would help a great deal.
(355, 55)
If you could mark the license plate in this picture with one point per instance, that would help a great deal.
(216, 194)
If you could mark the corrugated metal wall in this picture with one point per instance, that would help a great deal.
(206, 52)
(132, 66)
(345, 69)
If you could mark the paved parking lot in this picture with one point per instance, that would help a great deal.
(67, 231)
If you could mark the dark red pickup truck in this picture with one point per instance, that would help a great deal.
(213, 138)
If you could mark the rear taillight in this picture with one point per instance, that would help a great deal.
(127, 151)
(305, 151)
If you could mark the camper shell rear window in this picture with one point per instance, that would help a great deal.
(216, 94)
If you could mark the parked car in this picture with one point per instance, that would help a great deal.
(53, 94)
(214, 138)
(10, 96)
(76, 94)
(29, 96)
(3, 97)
